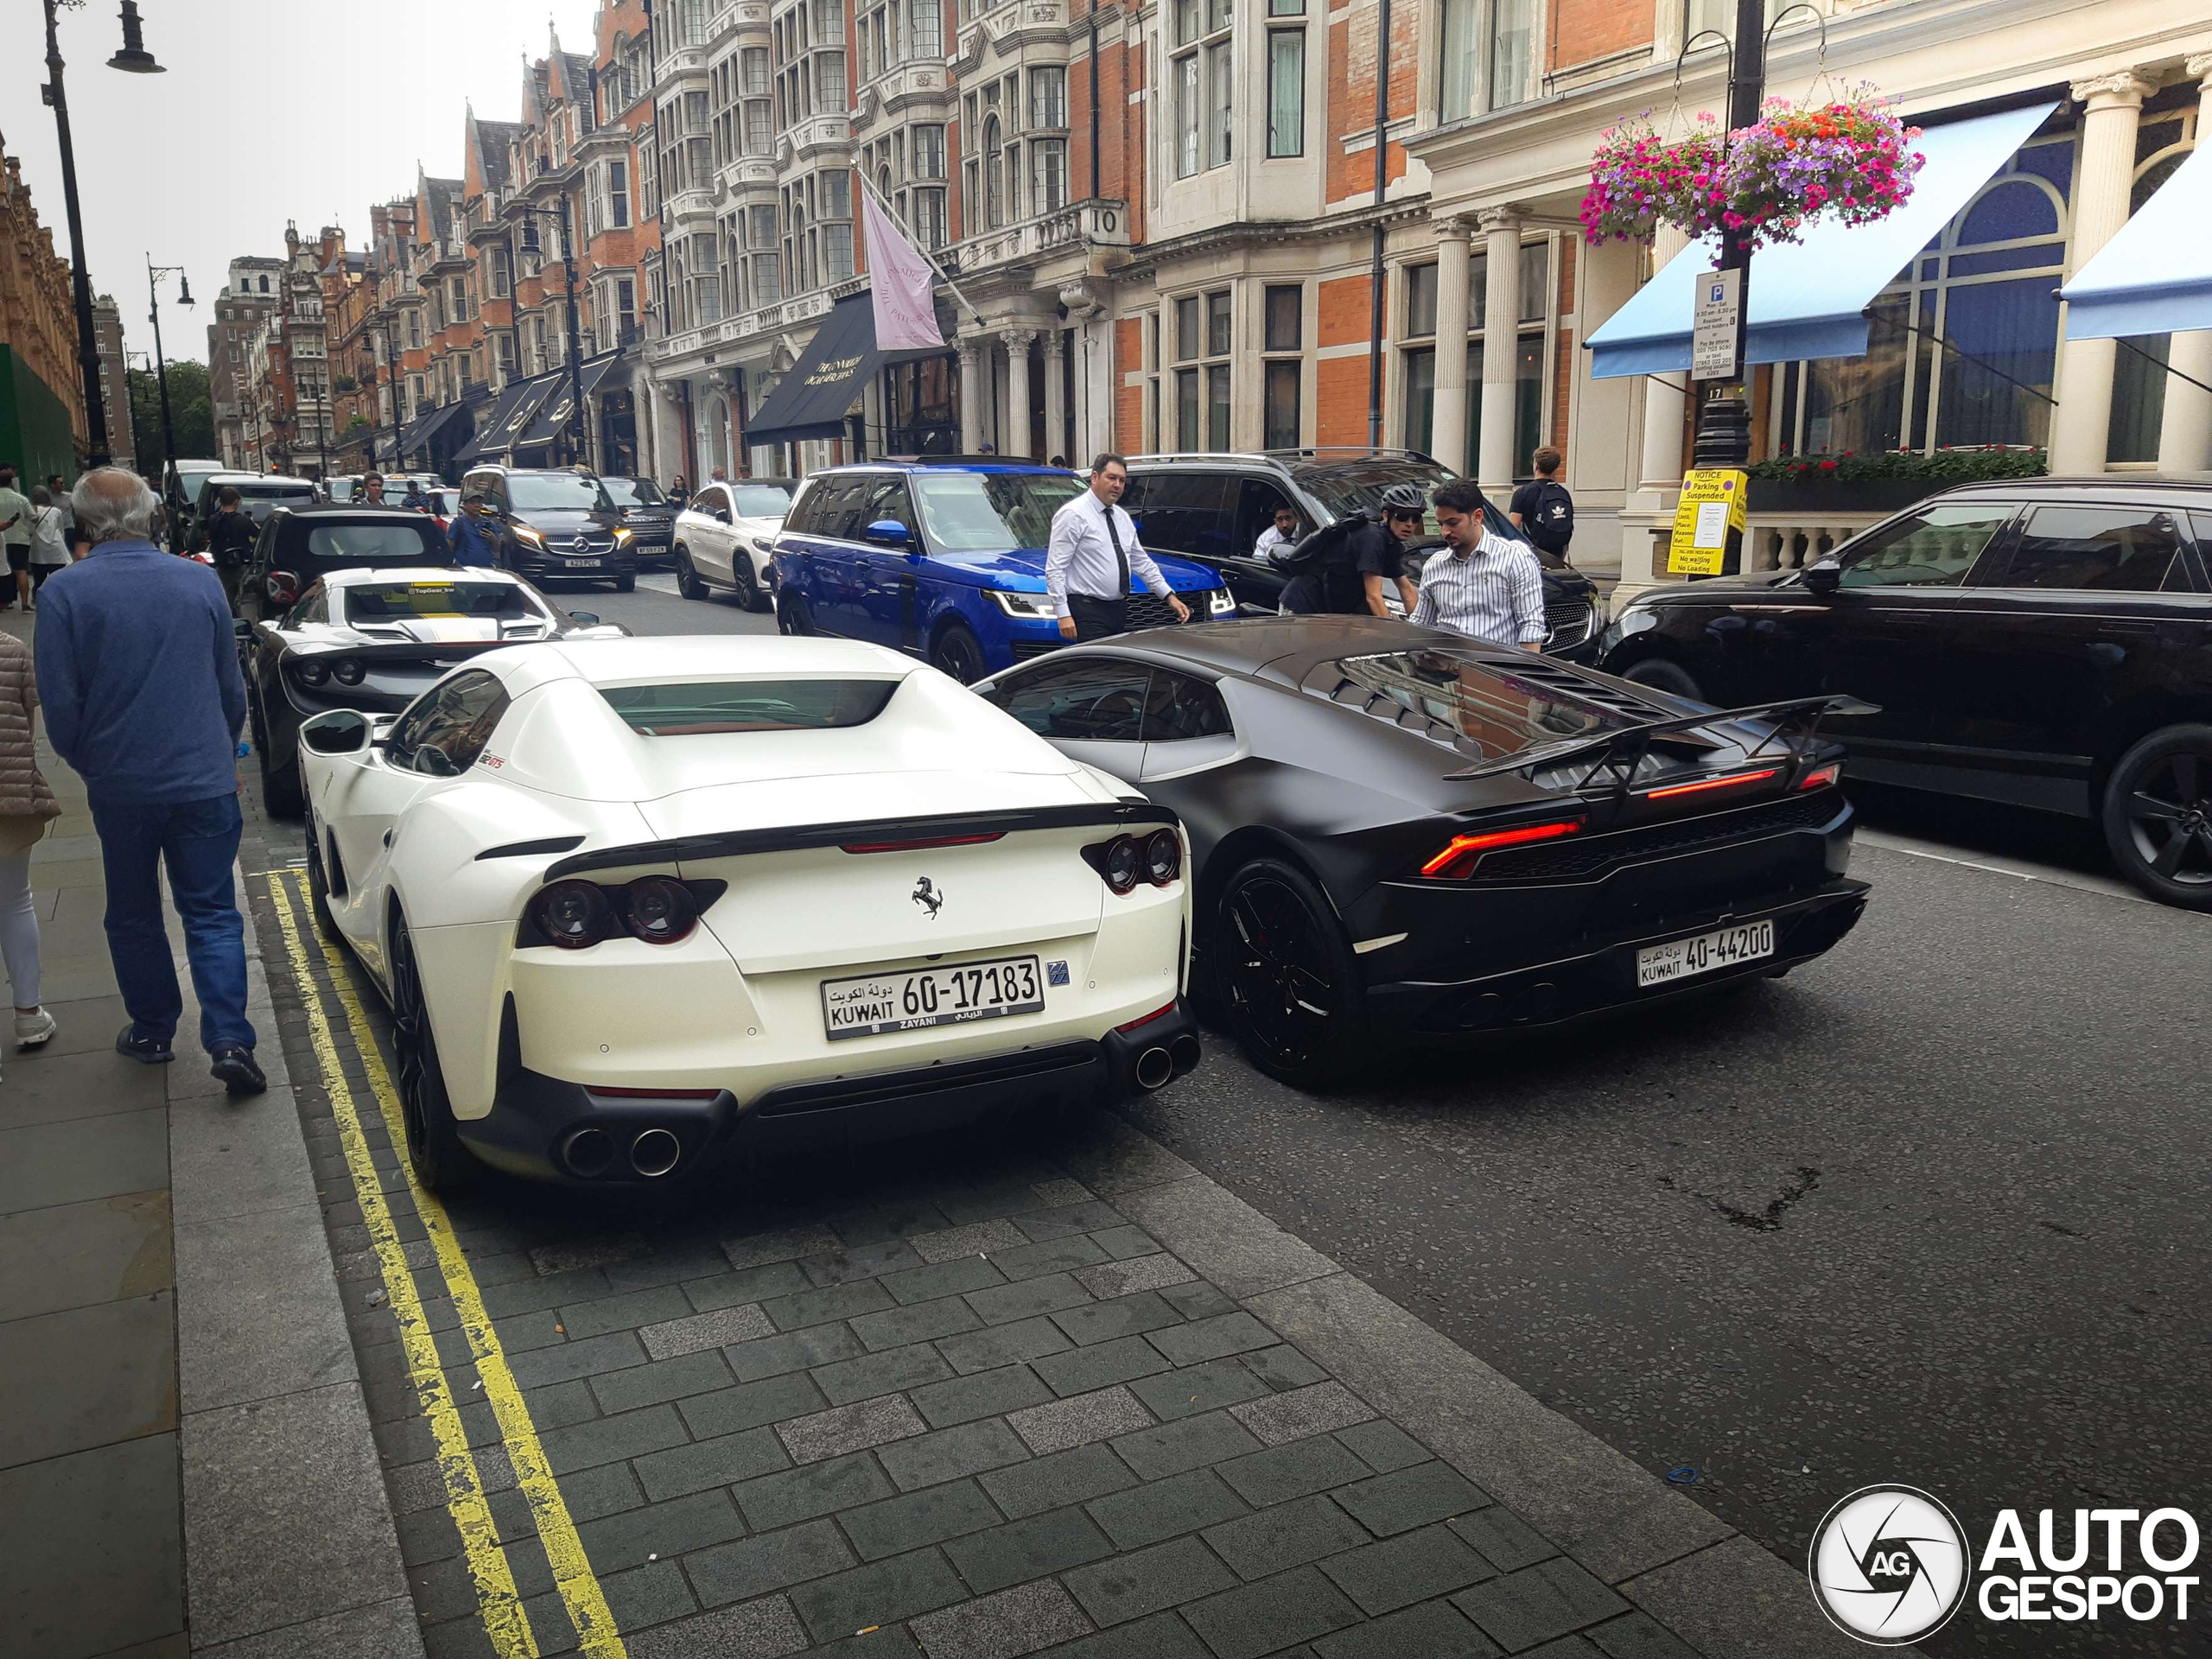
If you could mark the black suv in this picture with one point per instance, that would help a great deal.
(299, 546)
(1213, 508)
(551, 524)
(2044, 643)
(649, 516)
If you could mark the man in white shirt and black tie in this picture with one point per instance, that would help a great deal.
(1093, 549)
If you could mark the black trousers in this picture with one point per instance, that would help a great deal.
(1096, 618)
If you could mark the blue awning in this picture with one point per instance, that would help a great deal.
(2155, 275)
(1809, 299)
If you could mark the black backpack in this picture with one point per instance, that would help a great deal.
(1551, 526)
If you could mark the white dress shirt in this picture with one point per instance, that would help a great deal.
(1270, 539)
(1080, 557)
(1495, 594)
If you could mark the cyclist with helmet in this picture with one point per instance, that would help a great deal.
(1346, 575)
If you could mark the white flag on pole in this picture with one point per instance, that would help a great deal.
(900, 280)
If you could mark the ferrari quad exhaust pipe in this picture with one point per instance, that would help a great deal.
(654, 1152)
(1154, 1067)
(1184, 1053)
(588, 1152)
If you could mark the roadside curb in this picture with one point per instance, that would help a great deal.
(289, 1537)
(1720, 1592)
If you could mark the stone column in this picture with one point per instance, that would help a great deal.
(1454, 265)
(1664, 399)
(973, 364)
(1055, 395)
(2081, 423)
(1016, 439)
(1501, 333)
(2185, 432)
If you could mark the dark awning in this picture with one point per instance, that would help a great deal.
(814, 398)
(415, 439)
(496, 433)
(553, 412)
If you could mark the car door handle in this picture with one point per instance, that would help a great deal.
(2116, 627)
(387, 838)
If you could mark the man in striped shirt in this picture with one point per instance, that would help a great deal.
(1481, 585)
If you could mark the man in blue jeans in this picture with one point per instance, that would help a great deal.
(138, 675)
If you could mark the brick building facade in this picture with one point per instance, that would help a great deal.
(43, 425)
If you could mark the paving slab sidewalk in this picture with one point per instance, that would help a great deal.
(185, 1408)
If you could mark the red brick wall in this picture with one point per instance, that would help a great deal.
(1121, 159)
(1352, 93)
(1340, 400)
(1128, 401)
(1582, 31)
(1344, 307)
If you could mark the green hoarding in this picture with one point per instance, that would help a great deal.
(34, 434)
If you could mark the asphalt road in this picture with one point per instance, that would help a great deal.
(1929, 1210)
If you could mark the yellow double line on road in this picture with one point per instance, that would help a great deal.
(500, 1604)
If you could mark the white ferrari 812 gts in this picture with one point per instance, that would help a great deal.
(636, 903)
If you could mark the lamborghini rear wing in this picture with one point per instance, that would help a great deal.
(1618, 753)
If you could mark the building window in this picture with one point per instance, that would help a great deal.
(1203, 71)
(1048, 167)
(1420, 300)
(1986, 285)
(925, 29)
(618, 194)
(994, 174)
(1286, 92)
(1048, 97)
(625, 308)
(507, 351)
(836, 253)
(1204, 335)
(1283, 390)
(759, 127)
(931, 221)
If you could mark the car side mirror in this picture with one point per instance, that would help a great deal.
(1823, 577)
(340, 731)
(241, 628)
(888, 532)
(722, 516)
(436, 763)
(281, 586)
(583, 619)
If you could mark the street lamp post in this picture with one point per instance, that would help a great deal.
(135, 59)
(575, 333)
(1723, 421)
(154, 275)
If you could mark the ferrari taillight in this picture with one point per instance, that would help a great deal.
(1462, 853)
(574, 915)
(658, 909)
(1126, 860)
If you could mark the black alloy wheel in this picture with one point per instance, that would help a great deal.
(957, 653)
(626, 584)
(1662, 676)
(1285, 974)
(743, 582)
(792, 615)
(2157, 815)
(317, 880)
(688, 583)
(434, 1147)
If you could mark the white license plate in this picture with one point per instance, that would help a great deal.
(1655, 964)
(872, 1004)
(581, 564)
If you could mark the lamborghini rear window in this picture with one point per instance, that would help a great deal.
(690, 710)
(1461, 699)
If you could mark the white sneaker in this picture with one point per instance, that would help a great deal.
(35, 1029)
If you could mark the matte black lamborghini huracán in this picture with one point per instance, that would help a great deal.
(1404, 830)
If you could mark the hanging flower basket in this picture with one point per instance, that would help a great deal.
(1639, 181)
(1850, 157)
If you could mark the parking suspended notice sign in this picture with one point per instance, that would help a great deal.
(1713, 319)
(1709, 520)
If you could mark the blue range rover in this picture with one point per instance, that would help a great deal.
(946, 560)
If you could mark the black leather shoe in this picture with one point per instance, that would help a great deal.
(147, 1051)
(236, 1068)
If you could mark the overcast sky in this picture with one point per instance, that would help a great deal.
(270, 110)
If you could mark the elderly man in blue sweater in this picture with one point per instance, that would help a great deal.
(138, 675)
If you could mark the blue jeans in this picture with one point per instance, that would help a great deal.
(199, 843)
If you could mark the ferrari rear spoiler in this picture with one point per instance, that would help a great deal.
(1620, 752)
(437, 651)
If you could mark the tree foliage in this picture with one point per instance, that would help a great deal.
(190, 408)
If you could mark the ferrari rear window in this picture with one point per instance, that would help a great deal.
(390, 601)
(692, 710)
(1472, 697)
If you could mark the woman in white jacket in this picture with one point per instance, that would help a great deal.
(26, 806)
(49, 541)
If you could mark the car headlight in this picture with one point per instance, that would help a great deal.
(621, 534)
(524, 533)
(1219, 603)
(1029, 607)
(763, 544)
(1635, 619)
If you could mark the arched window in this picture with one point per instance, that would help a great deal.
(1963, 345)
(994, 174)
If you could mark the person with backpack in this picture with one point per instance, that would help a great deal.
(230, 538)
(1341, 571)
(1542, 510)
